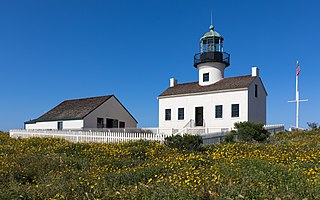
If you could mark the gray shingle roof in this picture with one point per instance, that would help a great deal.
(72, 109)
(224, 84)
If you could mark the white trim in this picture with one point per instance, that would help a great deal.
(201, 93)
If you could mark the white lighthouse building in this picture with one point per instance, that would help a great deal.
(211, 61)
(213, 101)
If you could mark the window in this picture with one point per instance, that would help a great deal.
(168, 114)
(204, 41)
(180, 113)
(217, 47)
(60, 125)
(219, 111)
(122, 124)
(112, 123)
(99, 122)
(235, 110)
(109, 123)
(205, 77)
(256, 90)
(115, 123)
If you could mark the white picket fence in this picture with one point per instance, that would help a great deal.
(209, 135)
(108, 136)
(87, 136)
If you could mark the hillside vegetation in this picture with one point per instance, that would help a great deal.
(287, 167)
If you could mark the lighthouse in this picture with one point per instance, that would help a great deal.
(213, 102)
(212, 60)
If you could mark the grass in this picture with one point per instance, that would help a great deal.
(287, 167)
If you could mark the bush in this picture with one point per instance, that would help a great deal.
(313, 125)
(185, 142)
(229, 137)
(250, 131)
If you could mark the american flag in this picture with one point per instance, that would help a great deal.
(298, 69)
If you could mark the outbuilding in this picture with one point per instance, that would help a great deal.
(85, 113)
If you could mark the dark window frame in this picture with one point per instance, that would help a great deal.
(219, 112)
(235, 110)
(180, 113)
(115, 123)
(109, 123)
(256, 90)
(60, 125)
(100, 125)
(167, 114)
(205, 77)
(112, 123)
(122, 124)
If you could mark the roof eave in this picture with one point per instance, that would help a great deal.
(51, 120)
(126, 110)
(263, 86)
(201, 93)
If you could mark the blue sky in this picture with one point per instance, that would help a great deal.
(51, 51)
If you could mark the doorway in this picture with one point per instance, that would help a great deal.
(199, 116)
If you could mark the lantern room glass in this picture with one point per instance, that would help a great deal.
(211, 44)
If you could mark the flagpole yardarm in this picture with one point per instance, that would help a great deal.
(298, 69)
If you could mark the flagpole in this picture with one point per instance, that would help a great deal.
(297, 102)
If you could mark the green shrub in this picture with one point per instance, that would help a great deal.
(250, 131)
(229, 137)
(313, 125)
(185, 142)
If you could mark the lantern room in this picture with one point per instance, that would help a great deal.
(211, 49)
(211, 41)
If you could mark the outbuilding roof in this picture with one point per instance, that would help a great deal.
(74, 109)
(224, 84)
